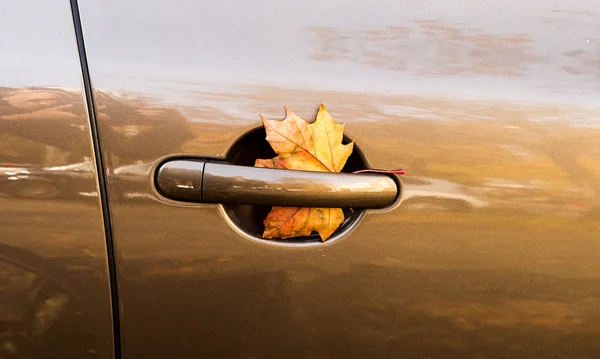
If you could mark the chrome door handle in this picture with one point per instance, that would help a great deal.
(213, 182)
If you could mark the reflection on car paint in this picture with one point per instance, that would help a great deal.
(54, 285)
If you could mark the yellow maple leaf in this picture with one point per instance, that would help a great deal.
(301, 145)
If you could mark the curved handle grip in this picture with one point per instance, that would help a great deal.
(212, 182)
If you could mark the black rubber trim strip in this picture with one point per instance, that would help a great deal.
(89, 95)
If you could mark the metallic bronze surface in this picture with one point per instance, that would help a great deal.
(54, 285)
(225, 183)
(181, 180)
(491, 106)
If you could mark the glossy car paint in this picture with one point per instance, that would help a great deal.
(490, 106)
(54, 286)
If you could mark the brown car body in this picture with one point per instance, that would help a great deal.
(491, 251)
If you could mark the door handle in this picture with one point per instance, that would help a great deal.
(213, 182)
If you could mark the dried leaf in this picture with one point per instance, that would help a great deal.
(287, 222)
(309, 147)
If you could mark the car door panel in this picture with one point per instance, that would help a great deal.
(490, 107)
(55, 298)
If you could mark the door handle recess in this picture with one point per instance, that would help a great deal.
(212, 182)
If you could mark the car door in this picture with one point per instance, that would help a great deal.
(490, 107)
(55, 297)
